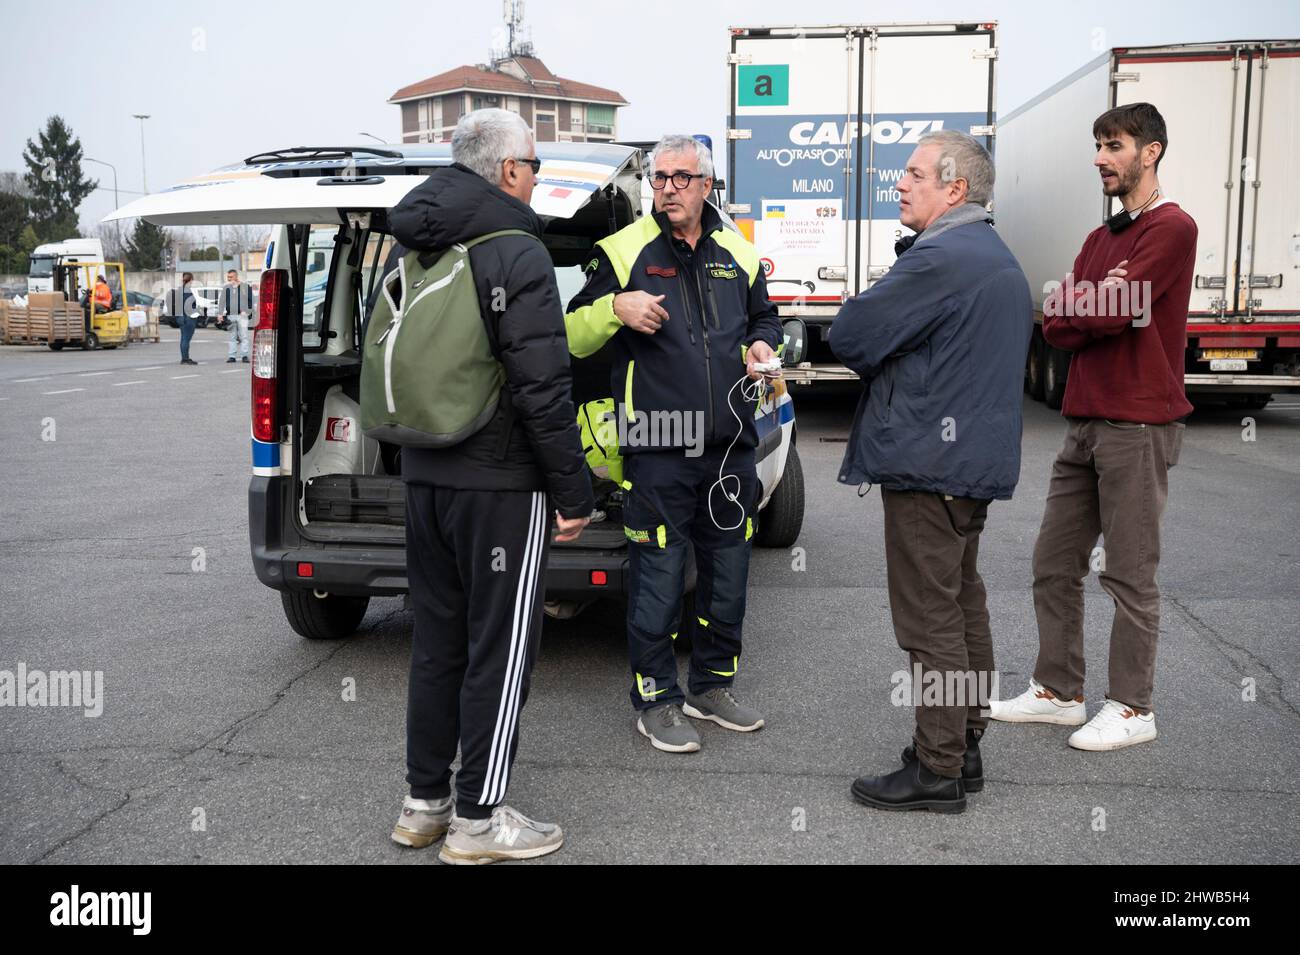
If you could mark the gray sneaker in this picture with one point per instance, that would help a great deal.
(664, 727)
(422, 822)
(504, 835)
(721, 706)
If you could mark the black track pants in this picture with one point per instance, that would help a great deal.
(476, 561)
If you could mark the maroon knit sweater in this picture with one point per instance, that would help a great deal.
(1128, 341)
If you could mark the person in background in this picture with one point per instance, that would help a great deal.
(103, 296)
(183, 307)
(236, 307)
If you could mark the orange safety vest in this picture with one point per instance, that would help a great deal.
(103, 295)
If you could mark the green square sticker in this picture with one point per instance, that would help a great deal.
(763, 85)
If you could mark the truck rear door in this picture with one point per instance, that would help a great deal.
(790, 152)
(822, 123)
(1234, 107)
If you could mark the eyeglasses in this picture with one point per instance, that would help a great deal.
(536, 164)
(680, 179)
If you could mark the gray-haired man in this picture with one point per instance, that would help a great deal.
(478, 514)
(941, 343)
(236, 307)
(680, 301)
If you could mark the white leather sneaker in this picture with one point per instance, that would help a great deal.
(1037, 705)
(1114, 727)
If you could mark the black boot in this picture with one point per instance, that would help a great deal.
(912, 787)
(972, 766)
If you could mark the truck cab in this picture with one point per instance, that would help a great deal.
(327, 503)
(48, 264)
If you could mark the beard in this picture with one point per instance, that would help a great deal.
(1124, 182)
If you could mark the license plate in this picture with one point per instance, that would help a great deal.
(1211, 353)
(1227, 364)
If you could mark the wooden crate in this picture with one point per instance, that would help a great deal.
(47, 318)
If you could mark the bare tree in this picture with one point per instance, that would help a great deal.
(241, 239)
(110, 237)
(12, 182)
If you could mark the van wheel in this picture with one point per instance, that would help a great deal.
(1034, 366)
(780, 522)
(323, 618)
(1056, 368)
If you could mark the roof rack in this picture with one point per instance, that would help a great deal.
(320, 152)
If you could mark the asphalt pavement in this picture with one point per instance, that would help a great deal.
(224, 737)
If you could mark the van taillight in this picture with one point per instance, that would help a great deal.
(265, 406)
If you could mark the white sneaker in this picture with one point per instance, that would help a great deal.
(1037, 705)
(1114, 727)
(506, 834)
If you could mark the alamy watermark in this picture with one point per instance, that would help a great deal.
(1110, 298)
(659, 429)
(921, 687)
(72, 688)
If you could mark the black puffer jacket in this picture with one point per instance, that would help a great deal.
(533, 443)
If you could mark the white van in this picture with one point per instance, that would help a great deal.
(326, 503)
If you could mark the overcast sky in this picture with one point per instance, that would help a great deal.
(222, 81)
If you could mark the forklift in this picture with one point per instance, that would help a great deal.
(106, 326)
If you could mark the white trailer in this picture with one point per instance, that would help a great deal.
(821, 123)
(1231, 111)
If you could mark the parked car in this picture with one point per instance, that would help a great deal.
(326, 503)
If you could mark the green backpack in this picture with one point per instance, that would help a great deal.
(429, 377)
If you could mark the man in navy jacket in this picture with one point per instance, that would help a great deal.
(941, 343)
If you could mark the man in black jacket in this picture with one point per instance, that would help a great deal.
(478, 513)
(680, 302)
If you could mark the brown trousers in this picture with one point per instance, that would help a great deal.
(937, 602)
(1110, 479)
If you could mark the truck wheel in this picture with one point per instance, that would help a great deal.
(56, 346)
(323, 618)
(780, 522)
(1056, 367)
(1034, 366)
(91, 341)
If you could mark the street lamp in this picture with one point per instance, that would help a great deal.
(142, 117)
(116, 204)
(117, 224)
(374, 137)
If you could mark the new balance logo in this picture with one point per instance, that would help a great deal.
(506, 835)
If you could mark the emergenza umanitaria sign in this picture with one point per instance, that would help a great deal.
(76, 688)
(103, 908)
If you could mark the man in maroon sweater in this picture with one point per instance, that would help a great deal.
(1122, 311)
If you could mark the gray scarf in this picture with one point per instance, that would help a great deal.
(963, 214)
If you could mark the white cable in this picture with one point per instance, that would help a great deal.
(752, 392)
